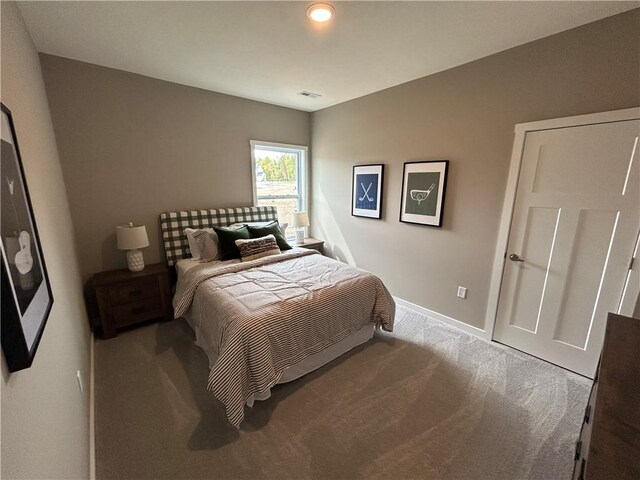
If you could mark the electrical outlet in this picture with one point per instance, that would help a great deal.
(462, 292)
(79, 378)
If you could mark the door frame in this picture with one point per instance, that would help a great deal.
(521, 130)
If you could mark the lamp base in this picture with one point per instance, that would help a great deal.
(300, 236)
(135, 260)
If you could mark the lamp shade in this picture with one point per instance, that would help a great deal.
(300, 219)
(131, 237)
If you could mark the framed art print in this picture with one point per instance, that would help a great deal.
(26, 292)
(423, 189)
(366, 191)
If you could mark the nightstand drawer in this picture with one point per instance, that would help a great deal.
(134, 312)
(126, 298)
(134, 291)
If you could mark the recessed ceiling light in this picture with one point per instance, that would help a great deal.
(320, 12)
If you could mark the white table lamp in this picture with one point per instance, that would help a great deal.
(132, 238)
(299, 221)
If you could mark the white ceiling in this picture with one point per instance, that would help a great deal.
(269, 51)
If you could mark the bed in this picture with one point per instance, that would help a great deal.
(273, 319)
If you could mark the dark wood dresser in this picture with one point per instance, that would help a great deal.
(126, 298)
(609, 444)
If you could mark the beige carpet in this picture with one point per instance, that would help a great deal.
(428, 401)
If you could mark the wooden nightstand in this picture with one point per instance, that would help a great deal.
(313, 244)
(126, 298)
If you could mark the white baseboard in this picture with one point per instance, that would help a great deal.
(92, 414)
(478, 332)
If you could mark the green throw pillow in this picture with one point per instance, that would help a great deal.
(227, 241)
(272, 228)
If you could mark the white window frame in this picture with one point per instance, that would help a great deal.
(302, 173)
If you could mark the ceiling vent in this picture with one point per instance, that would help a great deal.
(309, 94)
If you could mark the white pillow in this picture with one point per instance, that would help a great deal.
(203, 244)
(283, 226)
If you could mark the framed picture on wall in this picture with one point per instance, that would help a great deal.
(366, 191)
(423, 190)
(26, 292)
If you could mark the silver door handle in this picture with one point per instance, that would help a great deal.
(515, 258)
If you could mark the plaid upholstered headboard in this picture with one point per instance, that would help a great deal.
(173, 224)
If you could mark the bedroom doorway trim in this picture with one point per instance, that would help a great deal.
(521, 130)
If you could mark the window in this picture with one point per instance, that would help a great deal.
(280, 178)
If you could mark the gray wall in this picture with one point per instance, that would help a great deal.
(467, 115)
(133, 147)
(45, 418)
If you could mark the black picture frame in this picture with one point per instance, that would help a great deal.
(432, 176)
(27, 297)
(364, 203)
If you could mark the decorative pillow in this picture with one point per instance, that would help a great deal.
(272, 228)
(257, 248)
(283, 226)
(203, 244)
(227, 241)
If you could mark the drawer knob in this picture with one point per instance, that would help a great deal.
(587, 414)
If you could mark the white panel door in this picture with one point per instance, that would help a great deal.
(573, 234)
